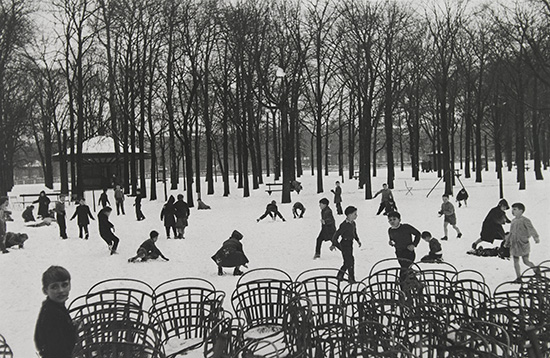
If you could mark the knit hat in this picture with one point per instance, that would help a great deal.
(324, 201)
(236, 235)
(504, 203)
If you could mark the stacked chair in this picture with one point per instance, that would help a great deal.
(409, 310)
(5, 350)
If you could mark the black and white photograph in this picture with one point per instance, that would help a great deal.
(274, 178)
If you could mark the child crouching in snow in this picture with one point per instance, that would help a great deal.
(148, 250)
(517, 240)
(436, 253)
(231, 254)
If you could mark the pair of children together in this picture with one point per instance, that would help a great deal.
(401, 238)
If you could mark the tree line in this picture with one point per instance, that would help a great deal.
(254, 88)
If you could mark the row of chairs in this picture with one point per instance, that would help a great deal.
(5, 350)
(425, 310)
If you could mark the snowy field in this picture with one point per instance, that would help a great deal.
(288, 246)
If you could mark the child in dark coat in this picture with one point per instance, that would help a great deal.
(106, 229)
(271, 210)
(348, 232)
(28, 215)
(337, 191)
(83, 215)
(328, 226)
(104, 199)
(436, 252)
(43, 205)
(401, 237)
(168, 214)
(462, 196)
(148, 250)
(137, 204)
(298, 210)
(231, 254)
(55, 334)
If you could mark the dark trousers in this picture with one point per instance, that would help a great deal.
(381, 207)
(139, 213)
(173, 229)
(339, 209)
(111, 239)
(296, 214)
(431, 257)
(272, 214)
(346, 246)
(406, 259)
(62, 225)
(82, 228)
(327, 231)
(120, 207)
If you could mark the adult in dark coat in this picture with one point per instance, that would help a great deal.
(168, 214)
(43, 205)
(27, 214)
(106, 229)
(328, 226)
(492, 229)
(182, 216)
(83, 215)
(231, 254)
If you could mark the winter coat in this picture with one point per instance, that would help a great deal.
(168, 214)
(337, 195)
(27, 215)
(43, 206)
(119, 195)
(520, 231)
(83, 215)
(105, 226)
(386, 195)
(231, 254)
(55, 334)
(492, 225)
(150, 248)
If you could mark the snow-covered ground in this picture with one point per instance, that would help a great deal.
(288, 246)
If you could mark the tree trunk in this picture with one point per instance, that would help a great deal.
(536, 132)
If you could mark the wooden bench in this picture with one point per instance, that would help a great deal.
(24, 197)
(271, 187)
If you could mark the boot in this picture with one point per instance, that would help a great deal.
(220, 271)
(237, 272)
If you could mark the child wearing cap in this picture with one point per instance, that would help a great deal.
(231, 254)
(518, 239)
(55, 334)
(348, 232)
(148, 250)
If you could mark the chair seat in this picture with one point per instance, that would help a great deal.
(177, 344)
(265, 331)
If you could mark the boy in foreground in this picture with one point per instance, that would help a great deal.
(348, 232)
(518, 239)
(55, 334)
(401, 237)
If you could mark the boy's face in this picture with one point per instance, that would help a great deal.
(322, 206)
(394, 222)
(155, 238)
(82, 201)
(58, 291)
(516, 212)
(427, 238)
(352, 216)
(445, 199)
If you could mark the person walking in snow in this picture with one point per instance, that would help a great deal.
(137, 204)
(104, 199)
(448, 210)
(387, 202)
(182, 216)
(83, 215)
(337, 191)
(328, 226)
(61, 215)
(168, 215)
(348, 232)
